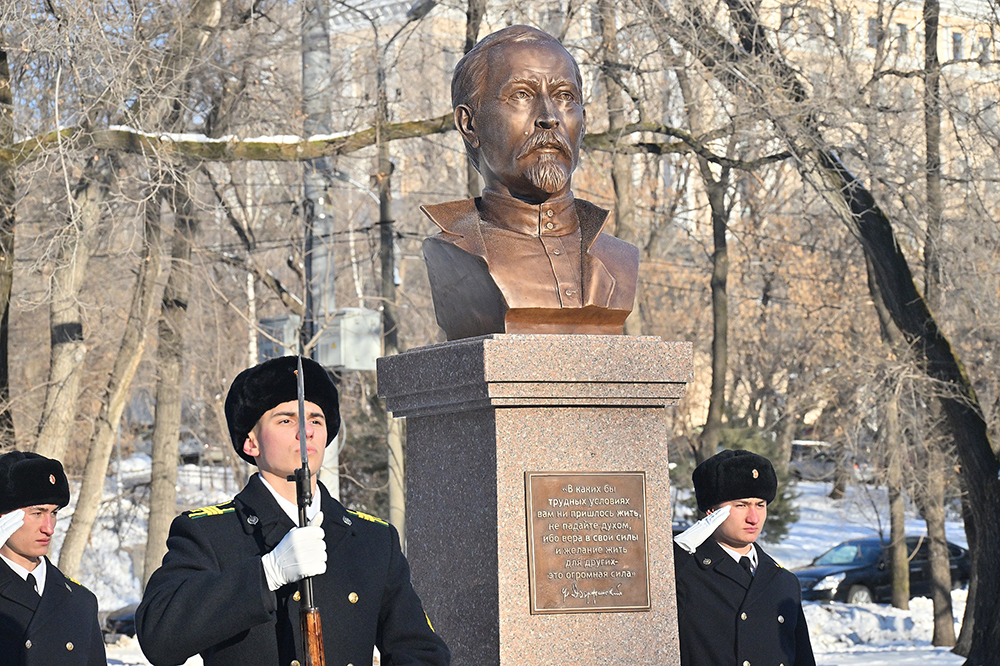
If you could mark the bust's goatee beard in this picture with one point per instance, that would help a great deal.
(547, 174)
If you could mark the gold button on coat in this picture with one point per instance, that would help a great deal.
(781, 619)
(69, 646)
(295, 662)
(27, 644)
(353, 597)
(746, 663)
(743, 616)
(296, 596)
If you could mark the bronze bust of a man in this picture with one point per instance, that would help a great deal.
(526, 257)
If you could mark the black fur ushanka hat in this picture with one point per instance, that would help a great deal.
(731, 475)
(29, 479)
(265, 386)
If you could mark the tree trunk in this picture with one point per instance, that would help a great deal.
(390, 329)
(708, 441)
(169, 385)
(318, 211)
(964, 644)
(8, 198)
(944, 623)
(621, 163)
(932, 510)
(68, 350)
(840, 481)
(715, 189)
(899, 559)
(785, 434)
(932, 157)
(102, 440)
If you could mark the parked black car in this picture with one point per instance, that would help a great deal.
(857, 571)
(118, 622)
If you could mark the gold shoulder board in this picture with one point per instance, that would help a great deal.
(215, 510)
(366, 516)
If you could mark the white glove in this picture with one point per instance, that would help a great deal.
(10, 523)
(695, 535)
(300, 554)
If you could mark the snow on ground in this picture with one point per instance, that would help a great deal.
(842, 634)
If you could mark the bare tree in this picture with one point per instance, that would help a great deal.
(8, 196)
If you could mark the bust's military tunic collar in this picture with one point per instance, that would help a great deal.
(556, 217)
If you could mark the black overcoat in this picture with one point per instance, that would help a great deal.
(60, 627)
(728, 618)
(210, 595)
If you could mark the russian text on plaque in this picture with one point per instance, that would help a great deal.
(587, 550)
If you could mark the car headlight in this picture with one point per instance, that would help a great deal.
(830, 582)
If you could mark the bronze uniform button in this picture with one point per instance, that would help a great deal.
(252, 520)
(295, 662)
(550, 225)
(549, 213)
(69, 646)
(706, 561)
(743, 616)
(353, 597)
(557, 252)
(296, 596)
(27, 644)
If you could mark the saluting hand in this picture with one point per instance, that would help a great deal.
(10, 523)
(300, 554)
(696, 535)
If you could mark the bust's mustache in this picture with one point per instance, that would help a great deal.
(544, 139)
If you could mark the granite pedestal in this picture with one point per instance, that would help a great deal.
(481, 412)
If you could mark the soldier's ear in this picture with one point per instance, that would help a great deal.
(466, 125)
(250, 446)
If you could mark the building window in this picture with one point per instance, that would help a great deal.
(815, 23)
(842, 28)
(787, 15)
(873, 30)
(903, 45)
(984, 49)
(957, 51)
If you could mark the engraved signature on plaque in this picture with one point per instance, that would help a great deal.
(587, 549)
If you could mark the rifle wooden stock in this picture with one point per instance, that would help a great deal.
(312, 637)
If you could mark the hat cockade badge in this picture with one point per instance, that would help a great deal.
(755, 474)
(52, 479)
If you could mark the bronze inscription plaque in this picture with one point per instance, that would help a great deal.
(587, 541)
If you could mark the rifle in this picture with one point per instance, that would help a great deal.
(309, 620)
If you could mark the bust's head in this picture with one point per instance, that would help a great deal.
(518, 105)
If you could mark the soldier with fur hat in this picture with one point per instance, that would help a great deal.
(227, 586)
(45, 617)
(736, 605)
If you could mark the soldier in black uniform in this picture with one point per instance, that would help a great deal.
(45, 617)
(735, 605)
(227, 586)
